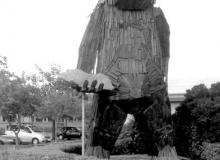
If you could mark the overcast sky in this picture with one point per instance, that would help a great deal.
(44, 32)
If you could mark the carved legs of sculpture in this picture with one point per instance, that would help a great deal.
(159, 124)
(105, 126)
(152, 123)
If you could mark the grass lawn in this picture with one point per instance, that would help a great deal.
(51, 152)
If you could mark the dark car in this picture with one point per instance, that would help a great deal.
(69, 133)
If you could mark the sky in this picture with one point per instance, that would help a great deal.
(46, 32)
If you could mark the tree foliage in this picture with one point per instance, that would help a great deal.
(17, 98)
(197, 120)
(43, 95)
(57, 95)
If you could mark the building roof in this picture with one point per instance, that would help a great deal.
(176, 97)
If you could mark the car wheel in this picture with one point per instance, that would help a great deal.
(35, 141)
(60, 137)
(1, 143)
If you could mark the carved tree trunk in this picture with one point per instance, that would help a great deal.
(92, 150)
(130, 39)
(105, 126)
(168, 153)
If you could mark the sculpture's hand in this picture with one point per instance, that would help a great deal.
(93, 88)
(90, 83)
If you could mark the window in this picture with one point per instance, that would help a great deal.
(26, 129)
(74, 129)
(38, 120)
(45, 120)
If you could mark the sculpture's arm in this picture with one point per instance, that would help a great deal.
(92, 40)
(164, 38)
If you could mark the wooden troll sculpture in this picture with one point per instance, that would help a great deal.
(128, 40)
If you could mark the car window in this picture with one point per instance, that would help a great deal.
(35, 128)
(26, 129)
(75, 130)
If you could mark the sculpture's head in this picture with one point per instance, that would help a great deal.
(134, 4)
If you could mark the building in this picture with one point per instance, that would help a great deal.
(175, 100)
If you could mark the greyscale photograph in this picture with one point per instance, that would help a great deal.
(109, 80)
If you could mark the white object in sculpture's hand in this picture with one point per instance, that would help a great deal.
(79, 77)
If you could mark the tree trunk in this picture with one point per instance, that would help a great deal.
(105, 125)
(65, 122)
(17, 141)
(32, 120)
(53, 129)
(143, 136)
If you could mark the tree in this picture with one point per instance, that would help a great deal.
(17, 98)
(3, 62)
(57, 96)
(197, 120)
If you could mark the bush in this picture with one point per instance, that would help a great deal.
(124, 143)
(210, 151)
(197, 120)
(76, 149)
(123, 146)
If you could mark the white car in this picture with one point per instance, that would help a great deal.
(26, 135)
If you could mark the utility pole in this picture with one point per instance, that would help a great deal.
(83, 123)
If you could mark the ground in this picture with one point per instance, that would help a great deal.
(52, 151)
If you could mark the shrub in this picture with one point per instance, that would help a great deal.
(123, 146)
(124, 143)
(76, 149)
(210, 151)
(197, 120)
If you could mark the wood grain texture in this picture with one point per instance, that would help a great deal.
(132, 49)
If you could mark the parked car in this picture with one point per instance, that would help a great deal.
(36, 129)
(69, 133)
(25, 135)
(6, 140)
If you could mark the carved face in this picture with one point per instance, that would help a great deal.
(134, 4)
